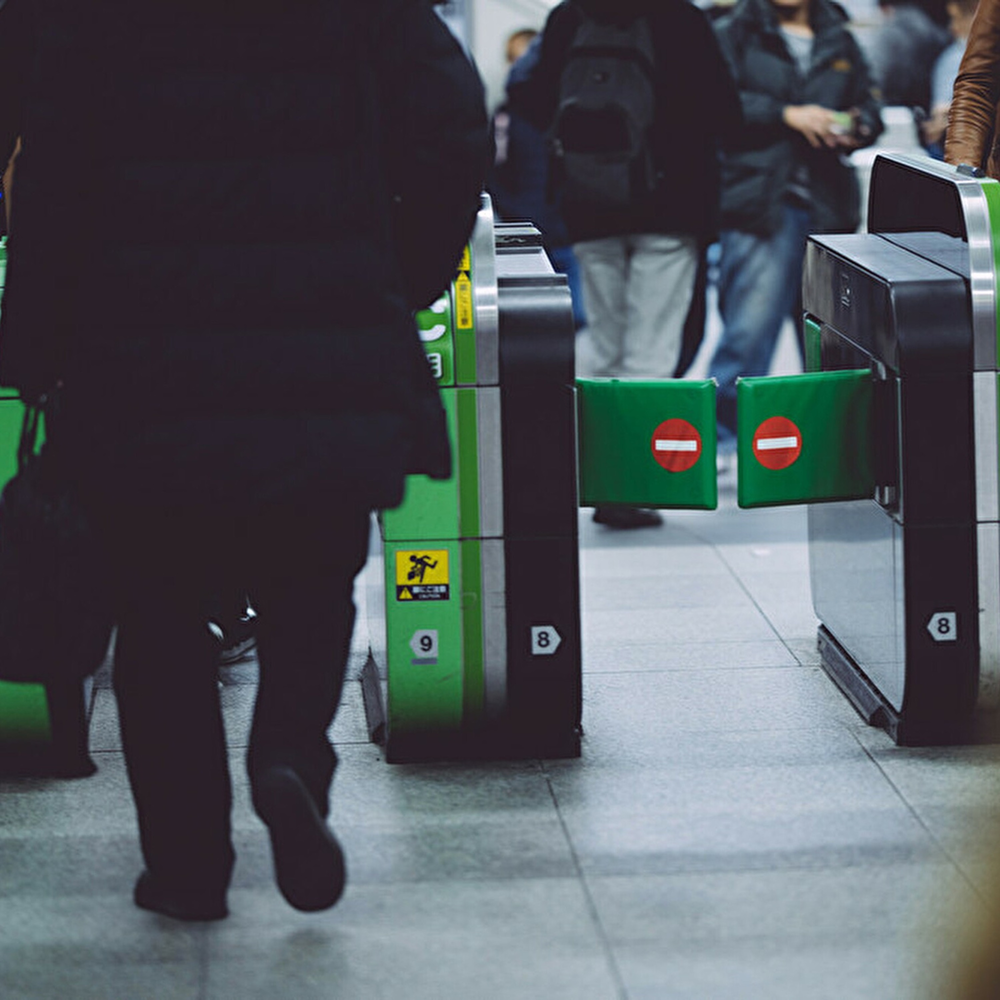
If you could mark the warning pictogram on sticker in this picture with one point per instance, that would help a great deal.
(422, 575)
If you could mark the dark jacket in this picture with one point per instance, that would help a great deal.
(519, 181)
(225, 215)
(758, 165)
(695, 105)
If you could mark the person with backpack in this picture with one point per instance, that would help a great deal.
(808, 101)
(518, 182)
(636, 98)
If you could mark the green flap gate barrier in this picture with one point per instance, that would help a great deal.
(805, 438)
(648, 443)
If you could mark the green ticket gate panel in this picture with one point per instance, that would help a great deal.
(24, 715)
(905, 582)
(648, 443)
(425, 636)
(475, 646)
(805, 438)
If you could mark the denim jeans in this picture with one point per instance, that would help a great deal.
(564, 262)
(760, 283)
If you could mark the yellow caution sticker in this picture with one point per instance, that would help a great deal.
(463, 301)
(422, 575)
(465, 264)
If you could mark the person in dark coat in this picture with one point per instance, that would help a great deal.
(808, 101)
(639, 261)
(225, 217)
(519, 180)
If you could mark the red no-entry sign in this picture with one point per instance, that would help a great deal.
(777, 443)
(676, 445)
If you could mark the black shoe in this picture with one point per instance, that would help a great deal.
(171, 901)
(621, 516)
(308, 861)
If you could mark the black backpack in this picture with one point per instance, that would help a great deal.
(600, 133)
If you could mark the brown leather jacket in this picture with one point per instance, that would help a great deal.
(973, 118)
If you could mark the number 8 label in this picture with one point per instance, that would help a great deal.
(943, 626)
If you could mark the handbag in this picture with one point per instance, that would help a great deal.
(56, 613)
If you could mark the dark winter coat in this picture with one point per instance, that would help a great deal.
(224, 216)
(695, 106)
(758, 165)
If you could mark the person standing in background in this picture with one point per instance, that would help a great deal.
(960, 15)
(808, 100)
(909, 41)
(638, 238)
(519, 179)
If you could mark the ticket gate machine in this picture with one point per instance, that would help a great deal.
(475, 635)
(906, 581)
(891, 436)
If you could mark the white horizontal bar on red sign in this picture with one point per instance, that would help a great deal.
(666, 444)
(775, 444)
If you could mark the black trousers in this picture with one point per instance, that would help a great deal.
(300, 565)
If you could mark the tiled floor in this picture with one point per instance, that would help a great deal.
(732, 829)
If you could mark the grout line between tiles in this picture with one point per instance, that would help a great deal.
(916, 815)
(595, 916)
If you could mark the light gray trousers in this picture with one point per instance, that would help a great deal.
(636, 291)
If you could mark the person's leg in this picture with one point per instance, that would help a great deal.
(302, 582)
(172, 735)
(602, 272)
(659, 286)
(758, 284)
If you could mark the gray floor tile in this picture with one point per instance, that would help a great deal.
(877, 933)
(944, 776)
(672, 626)
(94, 947)
(648, 706)
(367, 787)
(673, 835)
(667, 590)
(448, 941)
(104, 734)
(69, 866)
(613, 656)
(856, 932)
(681, 556)
(96, 806)
(751, 557)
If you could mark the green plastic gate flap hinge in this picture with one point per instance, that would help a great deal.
(805, 438)
(647, 442)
